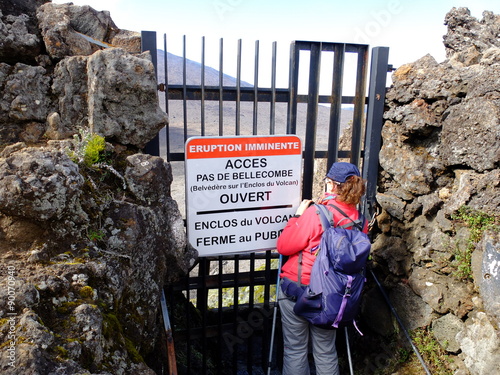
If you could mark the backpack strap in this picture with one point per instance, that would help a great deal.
(359, 224)
(345, 298)
(326, 219)
(325, 216)
(300, 268)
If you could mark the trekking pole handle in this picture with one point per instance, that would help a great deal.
(172, 364)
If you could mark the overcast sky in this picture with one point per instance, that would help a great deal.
(411, 29)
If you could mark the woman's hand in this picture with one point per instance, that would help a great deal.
(303, 206)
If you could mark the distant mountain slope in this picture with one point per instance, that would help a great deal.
(193, 108)
(193, 72)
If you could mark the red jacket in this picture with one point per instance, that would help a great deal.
(304, 233)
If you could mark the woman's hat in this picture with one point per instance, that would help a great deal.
(340, 171)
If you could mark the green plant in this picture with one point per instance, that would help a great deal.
(132, 351)
(95, 146)
(67, 307)
(404, 354)
(95, 235)
(89, 151)
(88, 148)
(477, 222)
(60, 352)
(86, 292)
(433, 354)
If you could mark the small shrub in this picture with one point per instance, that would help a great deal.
(93, 150)
(433, 354)
(96, 235)
(87, 148)
(86, 292)
(89, 151)
(477, 222)
(61, 352)
(132, 351)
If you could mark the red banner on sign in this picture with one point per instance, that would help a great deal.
(206, 147)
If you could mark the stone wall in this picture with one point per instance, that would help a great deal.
(85, 247)
(441, 151)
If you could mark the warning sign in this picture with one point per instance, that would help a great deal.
(240, 191)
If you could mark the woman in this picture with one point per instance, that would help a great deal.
(344, 189)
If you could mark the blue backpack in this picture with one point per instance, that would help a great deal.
(338, 274)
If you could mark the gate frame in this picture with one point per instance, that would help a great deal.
(372, 105)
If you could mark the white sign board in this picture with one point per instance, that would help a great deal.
(240, 191)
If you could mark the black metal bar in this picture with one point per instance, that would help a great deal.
(267, 307)
(202, 104)
(293, 86)
(227, 281)
(374, 123)
(336, 105)
(251, 301)
(148, 43)
(165, 66)
(311, 119)
(244, 256)
(359, 106)
(256, 88)
(326, 99)
(184, 89)
(238, 88)
(202, 306)
(272, 120)
(330, 46)
(235, 307)
(247, 94)
(251, 295)
(211, 331)
(219, 317)
(221, 85)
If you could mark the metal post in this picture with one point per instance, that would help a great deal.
(202, 103)
(336, 103)
(148, 43)
(221, 85)
(374, 122)
(255, 88)
(238, 90)
(359, 104)
(184, 88)
(167, 127)
(272, 111)
(311, 119)
(291, 127)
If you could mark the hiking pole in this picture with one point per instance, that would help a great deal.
(393, 310)
(351, 370)
(275, 312)
(172, 365)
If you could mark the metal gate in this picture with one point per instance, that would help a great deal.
(222, 312)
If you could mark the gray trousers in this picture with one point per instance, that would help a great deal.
(296, 334)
